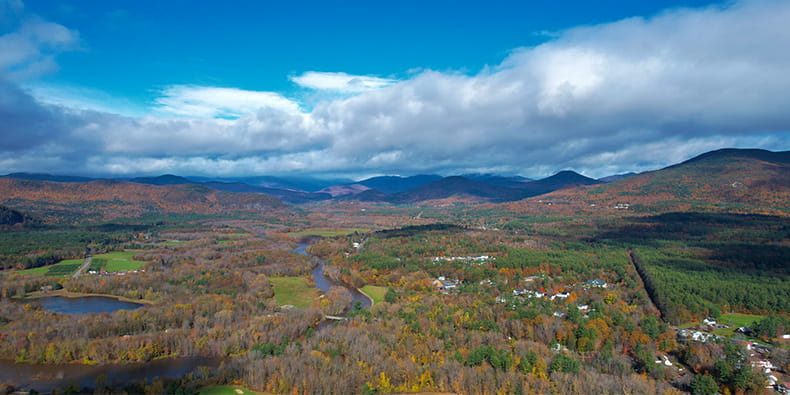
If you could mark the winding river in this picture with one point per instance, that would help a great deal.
(324, 284)
(45, 378)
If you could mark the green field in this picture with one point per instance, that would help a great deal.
(329, 232)
(375, 292)
(61, 269)
(735, 321)
(293, 291)
(120, 261)
(227, 390)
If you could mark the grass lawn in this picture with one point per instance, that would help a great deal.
(739, 320)
(734, 321)
(227, 390)
(293, 291)
(120, 261)
(61, 269)
(329, 232)
(375, 292)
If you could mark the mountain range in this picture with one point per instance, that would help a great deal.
(745, 176)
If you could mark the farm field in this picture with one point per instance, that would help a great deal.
(61, 269)
(118, 261)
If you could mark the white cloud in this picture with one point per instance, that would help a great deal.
(629, 95)
(340, 82)
(81, 98)
(213, 102)
(29, 50)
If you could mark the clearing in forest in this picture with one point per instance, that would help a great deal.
(293, 291)
(375, 292)
(119, 261)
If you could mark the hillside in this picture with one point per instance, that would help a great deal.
(10, 217)
(108, 199)
(731, 179)
(47, 177)
(395, 184)
(456, 186)
(563, 179)
(288, 195)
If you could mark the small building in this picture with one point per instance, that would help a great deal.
(597, 283)
(560, 295)
(709, 321)
(444, 285)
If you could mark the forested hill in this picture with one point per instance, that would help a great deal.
(755, 181)
(109, 199)
(11, 217)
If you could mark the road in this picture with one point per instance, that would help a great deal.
(83, 267)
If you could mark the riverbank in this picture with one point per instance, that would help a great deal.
(369, 295)
(66, 294)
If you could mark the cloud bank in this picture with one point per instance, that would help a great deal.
(629, 95)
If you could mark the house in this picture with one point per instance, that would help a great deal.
(697, 336)
(597, 283)
(709, 321)
(560, 295)
(445, 285)
(744, 329)
(533, 294)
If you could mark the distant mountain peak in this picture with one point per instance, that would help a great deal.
(165, 179)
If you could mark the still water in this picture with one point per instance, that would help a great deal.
(45, 378)
(85, 304)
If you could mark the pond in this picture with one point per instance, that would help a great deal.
(45, 378)
(85, 304)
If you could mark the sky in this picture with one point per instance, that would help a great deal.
(360, 88)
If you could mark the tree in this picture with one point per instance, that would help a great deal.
(703, 384)
(564, 363)
(390, 296)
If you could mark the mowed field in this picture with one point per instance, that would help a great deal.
(119, 261)
(61, 269)
(375, 292)
(110, 262)
(293, 291)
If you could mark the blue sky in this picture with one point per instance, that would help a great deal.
(365, 88)
(130, 49)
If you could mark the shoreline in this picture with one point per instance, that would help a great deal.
(372, 302)
(68, 294)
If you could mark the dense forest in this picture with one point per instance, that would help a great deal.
(559, 304)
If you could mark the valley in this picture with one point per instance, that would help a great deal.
(409, 285)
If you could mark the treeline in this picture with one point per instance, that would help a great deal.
(30, 248)
(685, 288)
(699, 264)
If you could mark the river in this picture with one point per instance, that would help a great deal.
(324, 284)
(45, 378)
